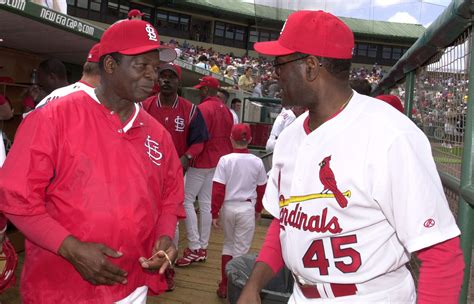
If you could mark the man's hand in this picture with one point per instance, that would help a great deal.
(249, 296)
(215, 223)
(158, 257)
(90, 260)
(184, 162)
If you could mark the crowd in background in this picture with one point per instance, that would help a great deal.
(254, 75)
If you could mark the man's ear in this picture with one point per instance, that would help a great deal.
(110, 64)
(312, 68)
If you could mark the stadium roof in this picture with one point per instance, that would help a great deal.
(360, 27)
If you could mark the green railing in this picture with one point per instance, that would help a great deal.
(436, 75)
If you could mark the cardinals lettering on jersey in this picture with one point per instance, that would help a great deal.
(329, 181)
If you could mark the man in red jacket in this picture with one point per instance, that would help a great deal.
(183, 120)
(95, 183)
(199, 175)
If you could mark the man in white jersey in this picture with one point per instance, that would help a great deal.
(90, 78)
(238, 187)
(283, 120)
(354, 189)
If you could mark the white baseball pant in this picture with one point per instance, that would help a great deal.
(402, 293)
(198, 182)
(238, 222)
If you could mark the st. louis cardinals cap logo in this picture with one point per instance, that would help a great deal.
(151, 32)
(330, 189)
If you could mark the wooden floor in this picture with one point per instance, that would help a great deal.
(196, 283)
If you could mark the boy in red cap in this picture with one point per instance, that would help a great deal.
(199, 175)
(237, 191)
(353, 188)
(95, 184)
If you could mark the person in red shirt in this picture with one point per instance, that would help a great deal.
(95, 184)
(199, 176)
(184, 122)
(178, 115)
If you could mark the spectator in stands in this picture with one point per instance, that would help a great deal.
(175, 44)
(202, 62)
(57, 5)
(214, 68)
(246, 81)
(257, 90)
(361, 86)
(230, 74)
(135, 14)
(235, 106)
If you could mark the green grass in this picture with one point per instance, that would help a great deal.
(455, 151)
(446, 160)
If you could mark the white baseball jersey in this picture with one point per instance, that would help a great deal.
(78, 86)
(241, 173)
(283, 120)
(355, 197)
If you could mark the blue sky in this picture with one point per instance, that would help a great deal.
(407, 11)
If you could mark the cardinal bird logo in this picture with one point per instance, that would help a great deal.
(326, 176)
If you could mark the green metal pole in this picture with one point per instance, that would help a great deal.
(466, 211)
(409, 92)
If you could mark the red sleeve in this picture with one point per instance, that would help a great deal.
(441, 273)
(30, 166)
(172, 203)
(218, 195)
(3, 222)
(270, 253)
(195, 149)
(167, 226)
(260, 193)
(41, 229)
(3, 100)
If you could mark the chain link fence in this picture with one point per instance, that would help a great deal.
(440, 103)
(439, 109)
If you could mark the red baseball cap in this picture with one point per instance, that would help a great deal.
(172, 67)
(311, 32)
(93, 55)
(208, 81)
(392, 100)
(241, 132)
(134, 12)
(134, 37)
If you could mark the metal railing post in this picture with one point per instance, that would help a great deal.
(466, 211)
(409, 92)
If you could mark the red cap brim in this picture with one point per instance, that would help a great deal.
(272, 48)
(166, 54)
(198, 86)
